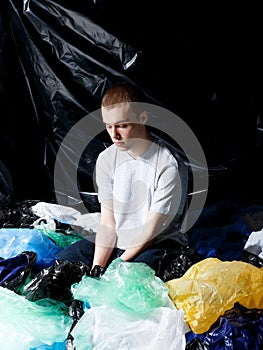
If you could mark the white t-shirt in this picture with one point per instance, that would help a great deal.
(135, 186)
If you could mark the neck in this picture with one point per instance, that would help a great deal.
(141, 146)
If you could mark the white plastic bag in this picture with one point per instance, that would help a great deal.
(107, 328)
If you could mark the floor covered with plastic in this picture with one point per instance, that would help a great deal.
(206, 296)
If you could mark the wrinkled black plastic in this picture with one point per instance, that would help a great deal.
(59, 56)
(55, 282)
(17, 215)
(97, 271)
(15, 271)
(252, 259)
(175, 264)
(196, 344)
(76, 311)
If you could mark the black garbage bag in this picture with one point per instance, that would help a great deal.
(196, 344)
(174, 264)
(97, 271)
(252, 259)
(76, 311)
(55, 281)
(18, 215)
(15, 271)
(76, 308)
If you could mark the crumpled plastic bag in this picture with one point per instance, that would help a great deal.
(174, 264)
(210, 287)
(17, 215)
(26, 324)
(15, 271)
(14, 241)
(55, 281)
(129, 286)
(51, 211)
(62, 238)
(54, 346)
(107, 328)
(85, 224)
(128, 307)
(252, 259)
(238, 329)
(254, 244)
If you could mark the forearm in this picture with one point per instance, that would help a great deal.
(101, 256)
(130, 253)
(104, 244)
(149, 231)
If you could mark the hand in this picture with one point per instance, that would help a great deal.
(97, 271)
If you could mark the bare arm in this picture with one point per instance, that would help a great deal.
(105, 237)
(153, 226)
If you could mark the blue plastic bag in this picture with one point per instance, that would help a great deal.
(14, 241)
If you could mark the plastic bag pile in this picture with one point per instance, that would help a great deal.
(195, 302)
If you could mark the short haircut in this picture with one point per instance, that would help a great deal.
(123, 93)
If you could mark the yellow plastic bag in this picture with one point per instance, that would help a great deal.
(210, 287)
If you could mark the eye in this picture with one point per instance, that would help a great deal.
(123, 126)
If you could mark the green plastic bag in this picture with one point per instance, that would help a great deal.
(126, 285)
(25, 324)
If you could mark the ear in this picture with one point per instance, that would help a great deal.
(143, 117)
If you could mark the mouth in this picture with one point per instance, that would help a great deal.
(119, 144)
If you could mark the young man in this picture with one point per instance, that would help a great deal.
(139, 189)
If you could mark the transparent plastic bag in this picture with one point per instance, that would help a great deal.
(26, 324)
(126, 285)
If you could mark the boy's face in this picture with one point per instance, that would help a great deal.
(123, 125)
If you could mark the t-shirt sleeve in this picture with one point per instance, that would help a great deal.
(103, 178)
(168, 193)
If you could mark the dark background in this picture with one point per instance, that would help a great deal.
(203, 62)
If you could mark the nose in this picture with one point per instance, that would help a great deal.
(114, 133)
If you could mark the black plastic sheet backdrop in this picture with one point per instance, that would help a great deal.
(57, 57)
